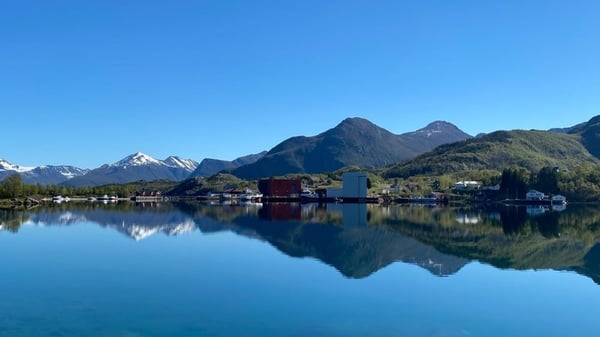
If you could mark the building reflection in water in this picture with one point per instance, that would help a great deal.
(352, 214)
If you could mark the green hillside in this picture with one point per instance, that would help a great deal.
(498, 150)
(353, 142)
(590, 135)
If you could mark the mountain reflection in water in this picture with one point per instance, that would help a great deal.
(358, 239)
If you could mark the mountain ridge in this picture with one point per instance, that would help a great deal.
(531, 149)
(354, 141)
(135, 167)
(210, 166)
(43, 175)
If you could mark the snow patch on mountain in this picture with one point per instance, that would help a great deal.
(5, 165)
(186, 164)
(137, 159)
(140, 159)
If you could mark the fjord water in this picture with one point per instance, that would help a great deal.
(122, 269)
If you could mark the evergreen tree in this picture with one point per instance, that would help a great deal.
(515, 182)
(12, 186)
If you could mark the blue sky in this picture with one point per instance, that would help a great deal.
(89, 82)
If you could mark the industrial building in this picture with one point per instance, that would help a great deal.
(354, 188)
(280, 188)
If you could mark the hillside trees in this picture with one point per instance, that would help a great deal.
(547, 180)
(581, 183)
(11, 187)
(515, 182)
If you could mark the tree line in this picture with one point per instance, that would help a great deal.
(14, 187)
(580, 184)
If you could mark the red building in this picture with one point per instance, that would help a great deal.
(280, 187)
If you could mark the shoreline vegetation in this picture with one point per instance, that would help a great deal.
(478, 187)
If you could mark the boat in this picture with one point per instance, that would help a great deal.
(417, 200)
(59, 198)
(226, 196)
(431, 199)
(108, 198)
(250, 195)
(308, 195)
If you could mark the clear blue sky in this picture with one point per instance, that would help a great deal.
(89, 82)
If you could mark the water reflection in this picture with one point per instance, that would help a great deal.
(137, 221)
(359, 239)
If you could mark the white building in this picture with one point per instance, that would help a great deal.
(354, 185)
(467, 185)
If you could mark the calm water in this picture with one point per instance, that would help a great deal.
(292, 270)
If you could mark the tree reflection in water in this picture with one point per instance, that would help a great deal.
(359, 239)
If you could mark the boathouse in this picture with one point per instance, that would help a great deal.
(282, 188)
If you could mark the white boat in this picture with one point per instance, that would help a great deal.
(249, 195)
(308, 194)
(107, 198)
(59, 198)
(226, 196)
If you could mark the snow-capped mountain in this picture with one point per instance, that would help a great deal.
(5, 165)
(44, 175)
(136, 159)
(135, 167)
(52, 175)
(187, 164)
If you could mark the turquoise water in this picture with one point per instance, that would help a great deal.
(234, 271)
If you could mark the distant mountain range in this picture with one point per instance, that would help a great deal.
(353, 142)
(135, 167)
(438, 148)
(44, 175)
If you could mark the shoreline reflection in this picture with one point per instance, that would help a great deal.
(359, 239)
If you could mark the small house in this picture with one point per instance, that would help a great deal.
(535, 195)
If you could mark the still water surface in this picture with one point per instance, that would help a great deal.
(298, 270)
